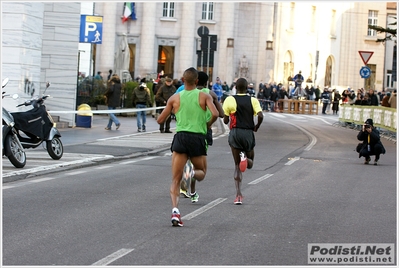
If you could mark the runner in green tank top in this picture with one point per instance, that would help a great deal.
(202, 86)
(189, 140)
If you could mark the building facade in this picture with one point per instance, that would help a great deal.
(40, 42)
(278, 39)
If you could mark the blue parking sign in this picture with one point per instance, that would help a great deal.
(91, 29)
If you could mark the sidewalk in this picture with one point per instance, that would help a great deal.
(90, 146)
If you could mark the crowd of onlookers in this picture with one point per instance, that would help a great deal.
(268, 94)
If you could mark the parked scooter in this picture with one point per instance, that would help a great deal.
(36, 126)
(12, 147)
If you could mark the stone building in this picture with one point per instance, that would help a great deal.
(40, 42)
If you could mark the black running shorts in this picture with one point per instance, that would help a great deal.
(242, 139)
(192, 144)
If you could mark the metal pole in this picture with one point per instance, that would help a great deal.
(202, 61)
(209, 53)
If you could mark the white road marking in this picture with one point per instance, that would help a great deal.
(138, 160)
(76, 172)
(63, 164)
(201, 210)
(292, 161)
(260, 179)
(43, 179)
(102, 167)
(313, 139)
(113, 257)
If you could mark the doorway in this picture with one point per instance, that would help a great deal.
(328, 74)
(166, 56)
(132, 50)
(369, 83)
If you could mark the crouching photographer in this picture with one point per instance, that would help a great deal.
(371, 144)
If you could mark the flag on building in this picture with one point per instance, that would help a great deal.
(129, 11)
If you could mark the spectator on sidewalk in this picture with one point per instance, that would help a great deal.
(113, 99)
(392, 100)
(141, 99)
(162, 96)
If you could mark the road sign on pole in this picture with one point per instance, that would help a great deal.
(366, 55)
(365, 72)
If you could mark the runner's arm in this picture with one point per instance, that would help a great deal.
(217, 104)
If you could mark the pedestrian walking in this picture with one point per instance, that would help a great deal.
(113, 99)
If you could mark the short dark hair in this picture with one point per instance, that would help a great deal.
(190, 75)
(202, 79)
(242, 85)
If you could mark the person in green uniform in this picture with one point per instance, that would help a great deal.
(201, 85)
(189, 107)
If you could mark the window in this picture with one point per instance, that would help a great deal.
(333, 23)
(313, 20)
(292, 15)
(389, 82)
(207, 10)
(373, 19)
(168, 9)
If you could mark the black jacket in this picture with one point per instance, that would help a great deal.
(374, 139)
(113, 93)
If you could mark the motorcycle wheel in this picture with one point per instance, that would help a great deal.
(17, 154)
(55, 148)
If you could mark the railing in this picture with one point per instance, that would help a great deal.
(298, 106)
(383, 117)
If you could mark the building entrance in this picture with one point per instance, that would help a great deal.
(166, 57)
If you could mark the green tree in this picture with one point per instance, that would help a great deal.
(390, 33)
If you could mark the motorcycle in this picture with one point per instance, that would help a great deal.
(12, 147)
(36, 126)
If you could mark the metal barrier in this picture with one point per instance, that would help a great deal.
(298, 106)
(383, 117)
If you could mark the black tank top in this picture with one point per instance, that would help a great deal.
(244, 113)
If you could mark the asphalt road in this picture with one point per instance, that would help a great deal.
(307, 186)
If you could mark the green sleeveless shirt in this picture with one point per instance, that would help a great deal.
(208, 112)
(191, 117)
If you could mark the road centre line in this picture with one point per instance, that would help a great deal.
(260, 179)
(292, 161)
(113, 257)
(201, 210)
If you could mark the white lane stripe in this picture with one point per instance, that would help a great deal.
(42, 179)
(113, 257)
(138, 160)
(102, 167)
(313, 138)
(7, 187)
(76, 172)
(261, 179)
(201, 210)
(64, 164)
(276, 115)
(292, 161)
